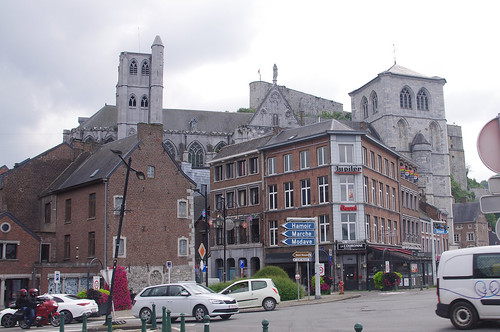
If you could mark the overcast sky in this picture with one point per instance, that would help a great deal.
(59, 59)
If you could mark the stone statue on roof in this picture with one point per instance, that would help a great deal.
(275, 73)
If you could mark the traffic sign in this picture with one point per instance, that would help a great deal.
(293, 233)
(96, 283)
(202, 251)
(242, 264)
(490, 203)
(169, 265)
(321, 269)
(302, 259)
(440, 231)
(57, 277)
(488, 145)
(303, 254)
(299, 225)
(299, 241)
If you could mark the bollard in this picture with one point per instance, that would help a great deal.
(358, 327)
(61, 322)
(84, 323)
(109, 320)
(265, 325)
(206, 320)
(153, 317)
(183, 323)
(143, 324)
(163, 319)
(169, 322)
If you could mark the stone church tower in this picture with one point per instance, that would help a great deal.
(407, 110)
(139, 91)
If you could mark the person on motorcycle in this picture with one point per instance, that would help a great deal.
(22, 300)
(32, 302)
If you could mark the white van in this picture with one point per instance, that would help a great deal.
(468, 286)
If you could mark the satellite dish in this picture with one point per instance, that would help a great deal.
(229, 224)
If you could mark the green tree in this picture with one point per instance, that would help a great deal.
(459, 194)
(245, 110)
(336, 115)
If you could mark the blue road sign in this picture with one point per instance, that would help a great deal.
(307, 241)
(293, 233)
(242, 264)
(298, 225)
(440, 231)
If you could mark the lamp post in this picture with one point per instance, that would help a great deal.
(88, 272)
(140, 176)
(207, 231)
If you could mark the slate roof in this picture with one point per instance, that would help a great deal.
(239, 148)
(465, 212)
(177, 120)
(308, 132)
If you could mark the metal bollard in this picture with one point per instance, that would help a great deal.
(183, 323)
(265, 325)
(143, 324)
(84, 323)
(358, 327)
(109, 321)
(163, 319)
(61, 322)
(169, 322)
(153, 317)
(206, 320)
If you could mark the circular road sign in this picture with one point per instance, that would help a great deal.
(488, 145)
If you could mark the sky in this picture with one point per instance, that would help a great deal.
(59, 59)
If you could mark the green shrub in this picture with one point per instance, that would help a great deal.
(287, 288)
(221, 285)
(270, 271)
(378, 280)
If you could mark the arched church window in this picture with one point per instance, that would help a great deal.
(405, 98)
(144, 102)
(364, 106)
(145, 68)
(195, 156)
(435, 134)
(422, 100)
(170, 148)
(402, 135)
(374, 100)
(219, 146)
(133, 68)
(132, 102)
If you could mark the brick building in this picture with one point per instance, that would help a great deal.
(471, 227)
(158, 221)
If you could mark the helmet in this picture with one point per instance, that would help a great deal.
(23, 292)
(33, 292)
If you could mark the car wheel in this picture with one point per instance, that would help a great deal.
(269, 304)
(146, 314)
(199, 313)
(463, 316)
(68, 317)
(225, 317)
(8, 320)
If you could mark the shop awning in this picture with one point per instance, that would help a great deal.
(403, 254)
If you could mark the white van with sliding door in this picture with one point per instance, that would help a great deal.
(468, 287)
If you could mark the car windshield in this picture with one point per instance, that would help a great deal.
(198, 289)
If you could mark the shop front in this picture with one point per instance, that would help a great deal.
(351, 264)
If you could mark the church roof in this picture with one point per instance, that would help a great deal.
(420, 139)
(177, 120)
(465, 212)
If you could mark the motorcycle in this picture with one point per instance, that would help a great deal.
(45, 313)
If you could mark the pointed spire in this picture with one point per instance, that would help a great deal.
(157, 41)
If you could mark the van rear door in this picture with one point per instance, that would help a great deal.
(486, 269)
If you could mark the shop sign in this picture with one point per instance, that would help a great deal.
(351, 246)
(348, 208)
(348, 169)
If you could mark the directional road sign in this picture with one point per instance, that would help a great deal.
(298, 225)
(303, 254)
(302, 259)
(308, 241)
(293, 233)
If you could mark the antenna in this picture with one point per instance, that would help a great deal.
(394, 51)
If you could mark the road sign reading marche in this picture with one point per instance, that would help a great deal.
(293, 233)
(299, 225)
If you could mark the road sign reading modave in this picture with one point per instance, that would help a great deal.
(299, 241)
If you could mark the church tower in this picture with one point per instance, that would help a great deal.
(139, 91)
(407, 110)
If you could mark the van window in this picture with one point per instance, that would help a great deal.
(457, 266)
(487, 266)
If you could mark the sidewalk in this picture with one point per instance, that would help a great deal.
(125, 315)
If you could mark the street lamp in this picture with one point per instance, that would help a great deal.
(222, 199)
(140, 176)
(207, 231)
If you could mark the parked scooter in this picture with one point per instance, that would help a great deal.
(45, 313)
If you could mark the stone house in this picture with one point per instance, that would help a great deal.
(470, 225)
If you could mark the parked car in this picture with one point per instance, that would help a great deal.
(468, 285)
(254, 293)
(73, 307)
(7, 317)
(191, 299)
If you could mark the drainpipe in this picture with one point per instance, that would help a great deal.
(105, 223)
